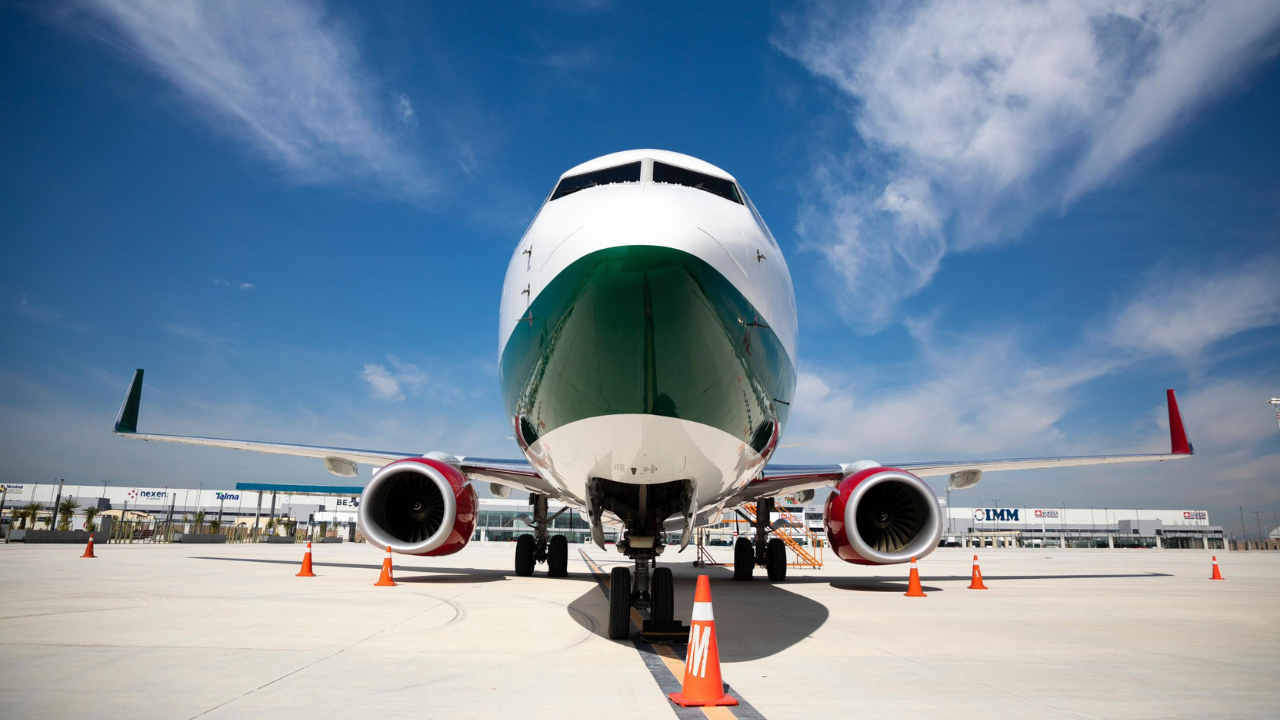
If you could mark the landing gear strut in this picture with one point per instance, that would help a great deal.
(541, 546)
(642, 510)
(648, 588)
(653, 589)
(769, 553)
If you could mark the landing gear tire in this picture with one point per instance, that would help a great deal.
(776, 559)
(620, 603)
(558, 556)
(744, 559)
(662, 609)
(525, 545)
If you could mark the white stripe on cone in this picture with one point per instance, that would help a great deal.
(702, 612)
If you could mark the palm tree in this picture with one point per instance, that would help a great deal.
(21, 515)
(66, 509)
(89, 514)
(214, 525)
(199, 520)
(33, 509)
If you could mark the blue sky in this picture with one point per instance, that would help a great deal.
(1010, 226)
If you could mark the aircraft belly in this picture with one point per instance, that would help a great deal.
(646, 449)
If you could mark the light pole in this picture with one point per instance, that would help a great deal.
(1275, 403)
(53, 518)
(1256, 514)
(1244, 533)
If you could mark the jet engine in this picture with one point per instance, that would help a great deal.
(420, 506)
(881, 516)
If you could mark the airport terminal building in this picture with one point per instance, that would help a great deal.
(1081, 528)
(302, 509)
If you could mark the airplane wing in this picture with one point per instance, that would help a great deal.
(339, 461)
(785, 479)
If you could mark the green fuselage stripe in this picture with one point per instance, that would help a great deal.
(645, 330)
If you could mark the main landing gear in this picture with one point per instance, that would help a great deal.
(769, 553)
(541, 546)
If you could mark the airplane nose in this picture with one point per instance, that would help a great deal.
(644, 329)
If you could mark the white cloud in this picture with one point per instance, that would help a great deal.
(246, 286)
(404, 108)
(995, 394)
(978, 116)
(282, 75)
(981, 396)
(195, 334)
(391, 383)
(1183, 313)
(38, 313)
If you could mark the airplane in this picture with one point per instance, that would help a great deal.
(647, 355)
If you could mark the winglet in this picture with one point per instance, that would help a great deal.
(1177, 433)
(127, 420)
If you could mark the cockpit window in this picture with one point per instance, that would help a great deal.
(620, 174)
(759, 220)
(664, 173)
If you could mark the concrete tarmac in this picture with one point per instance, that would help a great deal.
(174, 631)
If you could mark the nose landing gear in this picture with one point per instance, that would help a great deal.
(653, 590)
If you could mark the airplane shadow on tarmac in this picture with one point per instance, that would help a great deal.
(769, 619)
(439, 574)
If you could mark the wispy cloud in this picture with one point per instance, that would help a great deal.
(197, 335)
(392, 383)
(284, 76)
(992, 393)
(28, 308)
(223, 282)
(39, 313)
(1182, 313)
(404, 109)
(974, 118)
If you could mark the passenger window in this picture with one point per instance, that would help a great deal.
(664, 173)
(609, 176)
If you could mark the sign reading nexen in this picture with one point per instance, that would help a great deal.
(140, 494)
(996, 514)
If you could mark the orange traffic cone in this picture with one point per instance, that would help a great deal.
(1217, 575)
(88, 549)
(306, 563)
(913, 583)
(385, 580)
(702, 684)
(976, 584)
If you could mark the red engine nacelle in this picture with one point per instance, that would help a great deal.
(881, 516)
(420, 506)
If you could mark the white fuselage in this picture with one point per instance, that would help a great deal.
(643, 447)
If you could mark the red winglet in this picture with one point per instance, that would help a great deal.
(1177, 433)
